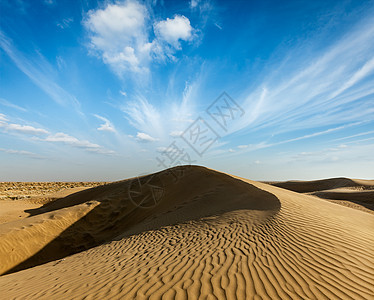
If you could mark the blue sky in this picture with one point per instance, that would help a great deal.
(105, 90)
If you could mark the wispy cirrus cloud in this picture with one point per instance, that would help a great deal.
(143, 116)
(336, 154)
(324, 88)
(150, 119)
(355, 135)
(252, 147)
(37, 70)
(11, 105)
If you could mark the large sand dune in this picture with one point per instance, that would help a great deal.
(188, 233)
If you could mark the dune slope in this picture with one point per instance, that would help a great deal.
(212, 236)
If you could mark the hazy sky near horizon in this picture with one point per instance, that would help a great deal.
(105, 90)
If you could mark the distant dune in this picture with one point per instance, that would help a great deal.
(324, 184)
(192, 233)
(354, 193)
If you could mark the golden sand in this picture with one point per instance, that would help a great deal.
(200, 235)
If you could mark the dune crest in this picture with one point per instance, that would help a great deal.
(213, 236)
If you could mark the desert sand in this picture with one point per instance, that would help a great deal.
(192, 233)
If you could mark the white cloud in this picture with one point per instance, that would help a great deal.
(176, 133)
(242, 146)
(118, 34)
(355, 135)
(143, 137)
(218, 26)
(24, 129)
(123, 93)
(360, 141)
(162, 149)
(64, 138)
(194, 3)
(167, 150)
(3, 118)
(61, 64)
(174, 30)
(20, 152)
(107, 126)
(65, 23)
(59, 137)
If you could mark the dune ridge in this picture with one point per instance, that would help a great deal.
(217, 237)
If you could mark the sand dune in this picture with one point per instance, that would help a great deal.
(325, 184)
(189, 233)
(354, 193)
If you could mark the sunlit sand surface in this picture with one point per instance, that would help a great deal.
(192, 233)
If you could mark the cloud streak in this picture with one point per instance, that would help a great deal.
(21, 152)
(323, 89)
(36, 70)
(11, 105)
